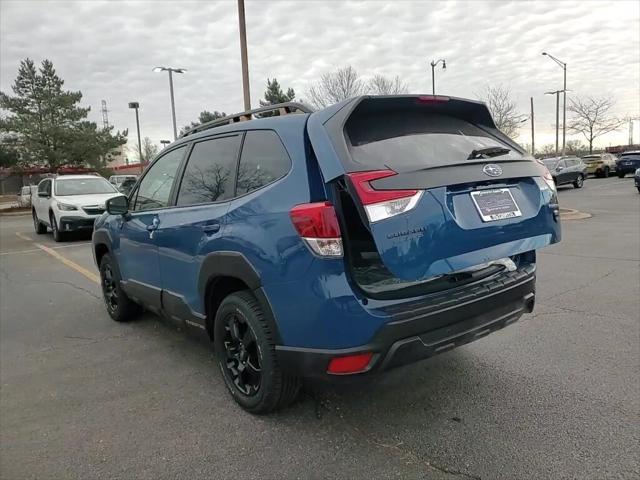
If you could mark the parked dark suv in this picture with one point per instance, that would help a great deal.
(627, 162)
(351, 240)
(567, 170)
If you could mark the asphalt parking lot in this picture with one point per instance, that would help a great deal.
(557, 395)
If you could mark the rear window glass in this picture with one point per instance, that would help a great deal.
(83, 186)
(630, 156)
(417, 140)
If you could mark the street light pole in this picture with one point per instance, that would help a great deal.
(557, 94)
(433, 73)
(136, 106)
(533, 133)
(563, 65)
(243, 55)
(173, 104)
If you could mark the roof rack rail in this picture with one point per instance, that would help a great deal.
(282, 109)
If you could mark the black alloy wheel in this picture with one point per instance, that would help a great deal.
(242, 355)
(109, 290)
(245, 347)
(119, 307)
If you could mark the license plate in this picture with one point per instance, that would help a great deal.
(496, 204)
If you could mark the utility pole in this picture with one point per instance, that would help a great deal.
(533, 133)
(557, 94)
(136, 106)
(243, 54)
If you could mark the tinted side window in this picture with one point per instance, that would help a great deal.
(210, 172)
(263, 161)
(155, 187)
(44, 186)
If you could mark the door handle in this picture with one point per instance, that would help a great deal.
(211, 228)
(153, 227)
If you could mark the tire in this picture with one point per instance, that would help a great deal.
(620, 174)
(638, 189)
(246, 355)
(58, 236)
(38, 226)
(119, 306)
(606, 172)
(579, 182)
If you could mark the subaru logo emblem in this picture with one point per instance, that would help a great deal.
(492, 170)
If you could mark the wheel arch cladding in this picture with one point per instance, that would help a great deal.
(101, 246)
(225, 272)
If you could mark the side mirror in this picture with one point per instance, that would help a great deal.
(559, 168)
(117, 205)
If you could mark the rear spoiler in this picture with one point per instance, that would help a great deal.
(326, 127)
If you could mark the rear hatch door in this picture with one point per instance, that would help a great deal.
(437, 185)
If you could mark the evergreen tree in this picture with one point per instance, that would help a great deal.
(274, 95)
(49, 127)
(204, 117)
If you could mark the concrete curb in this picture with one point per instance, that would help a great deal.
(570, 214)
(15, 214)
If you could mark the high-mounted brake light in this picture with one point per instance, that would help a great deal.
(357, 363)
(382, 204)
(317, 224)
(426, 99)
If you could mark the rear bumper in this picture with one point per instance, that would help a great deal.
(422, 330)
(626, 168)
(73, 224)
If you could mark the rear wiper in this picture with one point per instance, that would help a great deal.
(488, 152)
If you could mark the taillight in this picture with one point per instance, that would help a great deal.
(317, 224)
(349, 364)
(381, 204)
(547, 177)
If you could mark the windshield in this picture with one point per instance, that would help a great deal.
(418, 140)
(550, 163)
(83, 186)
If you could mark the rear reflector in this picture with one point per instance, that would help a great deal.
(318, 226)
(381, 204)
(350, 364)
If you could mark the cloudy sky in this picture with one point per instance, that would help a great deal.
(107, 50)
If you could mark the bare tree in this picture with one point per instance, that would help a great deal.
(333, 87)
(503, 109)
(149, 149)
(592, 117)
(381, 85)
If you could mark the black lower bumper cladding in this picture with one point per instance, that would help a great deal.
(71, 224)
(430, 326)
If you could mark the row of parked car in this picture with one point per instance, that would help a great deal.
(574, 170)
(123, 184)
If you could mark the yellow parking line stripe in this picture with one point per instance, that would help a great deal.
(69, 263)
(24, 237)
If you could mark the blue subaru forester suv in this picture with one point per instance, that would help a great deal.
(351, 240)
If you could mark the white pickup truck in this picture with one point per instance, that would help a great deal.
(69, 203)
